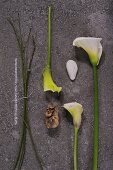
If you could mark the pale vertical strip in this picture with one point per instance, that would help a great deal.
(16, 95)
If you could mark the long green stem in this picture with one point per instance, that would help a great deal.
(33, 144)
(20, 162)
(25, 77)
(49, 37)
(20, 151)
(75, 147)
(96, 119)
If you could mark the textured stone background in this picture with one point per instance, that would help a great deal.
(71, 18)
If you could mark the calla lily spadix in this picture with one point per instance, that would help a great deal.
(92, 46)
(94, 49)
(75, 109)
(49, 84)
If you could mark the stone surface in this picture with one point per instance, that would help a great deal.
(70, 19)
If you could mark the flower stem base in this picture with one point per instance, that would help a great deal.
(75, 147)
(96, 119)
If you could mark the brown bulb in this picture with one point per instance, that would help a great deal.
(51, 116)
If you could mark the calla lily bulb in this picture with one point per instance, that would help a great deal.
(75, 109)
(92, 46)
(49, 84)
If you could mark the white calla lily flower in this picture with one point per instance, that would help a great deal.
(92, 46)
(75, 109)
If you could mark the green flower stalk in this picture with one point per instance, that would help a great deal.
(75, 109)
(94, 49)
(26, 67)
(49, 84)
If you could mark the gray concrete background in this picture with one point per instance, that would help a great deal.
(70, 19)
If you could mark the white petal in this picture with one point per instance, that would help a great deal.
(99, 52)
(70, 105)
(72, 69)
(75, 110)
(74, 106)
(91, 45)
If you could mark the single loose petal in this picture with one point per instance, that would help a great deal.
(72, 69)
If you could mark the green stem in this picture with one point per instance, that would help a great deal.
(75, 147)
(25, 78)
(49, 37)
(33, 144)
(96, 119)
(22, 147)
(20, 162)
(20, 151)
(27, 119)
